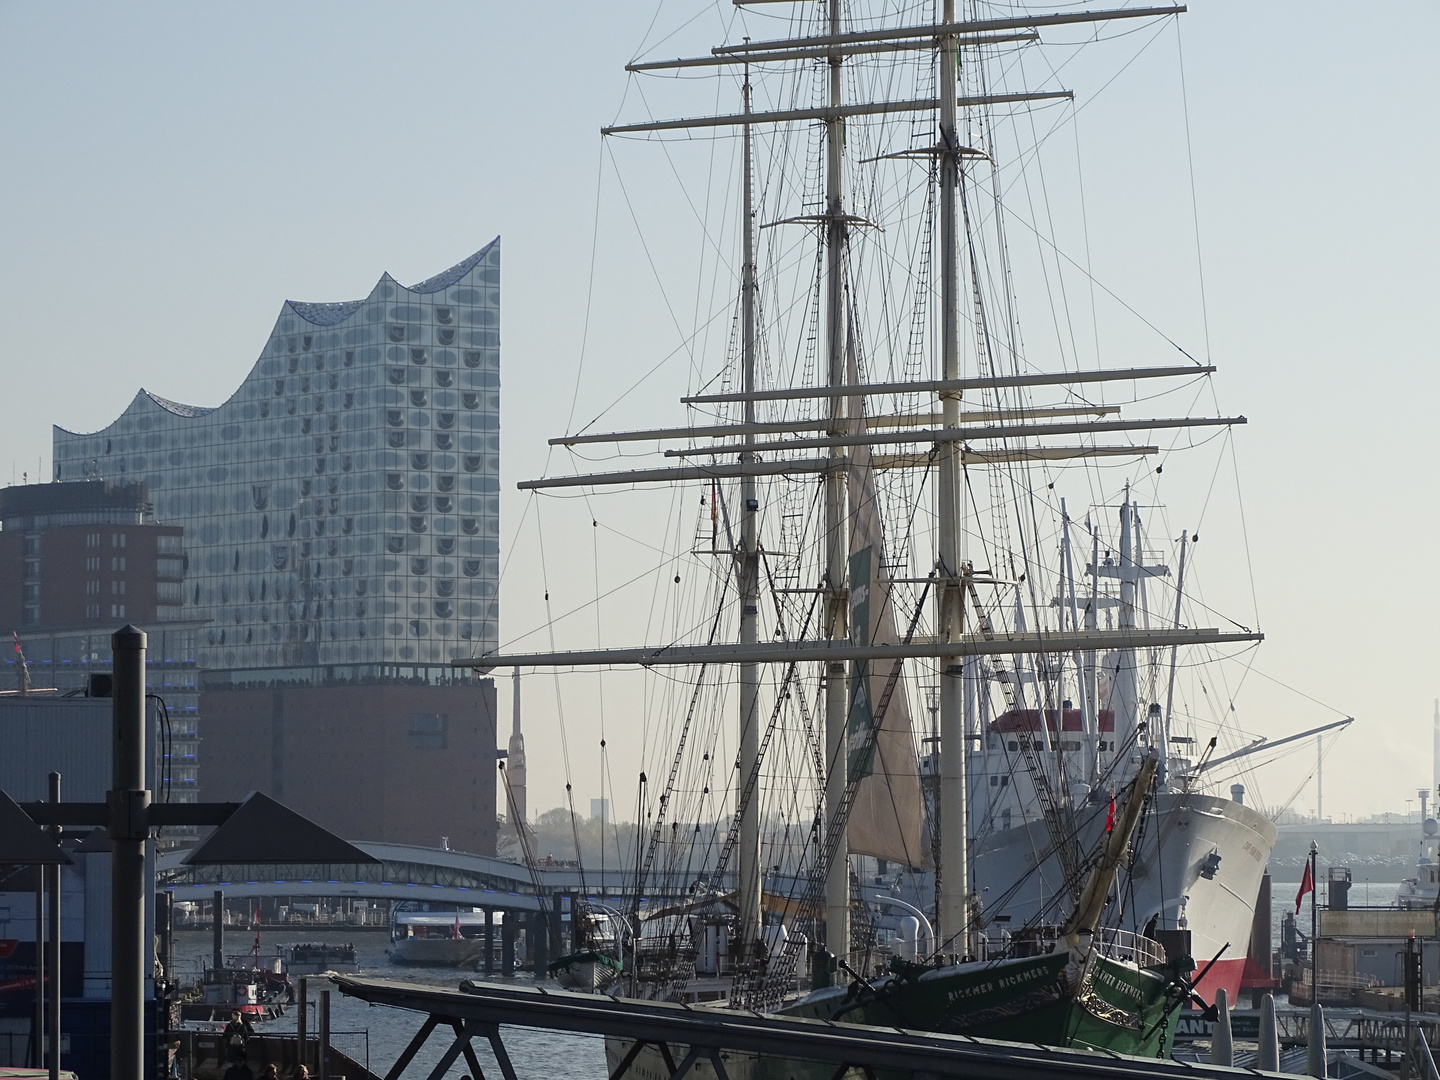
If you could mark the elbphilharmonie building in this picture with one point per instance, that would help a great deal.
(341, 509)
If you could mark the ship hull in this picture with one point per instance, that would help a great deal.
(436, 952)
(1174, 874)
(1057, 999)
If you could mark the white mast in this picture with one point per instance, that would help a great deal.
(837, 881)
(1170, 690)
(1124, 695)
(748, 900)
(515, 764)
(1435, 779)
(954, 868)
(1088, 726)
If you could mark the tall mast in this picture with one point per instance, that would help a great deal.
(1125, 694)
(1164, 736)
(837, 881)
(748, 901)
(954, 913)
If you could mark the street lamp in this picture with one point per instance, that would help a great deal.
(886, 898)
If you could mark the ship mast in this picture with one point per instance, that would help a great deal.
(954, 922)
(748, 900)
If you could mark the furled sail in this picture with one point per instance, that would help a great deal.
(888, 817)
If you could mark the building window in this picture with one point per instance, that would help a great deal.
(117, 588)
(167, 544)
(92, 611)
(92, 588)
(428, 731)
(92, 539)
(32, 594)
(32, 614)
(32, 547)
(32, 569)
(117, 611)
(117, 562)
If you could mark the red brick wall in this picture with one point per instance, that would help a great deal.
(344, 756)
(68, 565)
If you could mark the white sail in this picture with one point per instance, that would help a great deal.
(888, 818)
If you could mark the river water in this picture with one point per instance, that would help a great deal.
(388, 1031)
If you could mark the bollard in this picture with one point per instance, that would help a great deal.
(1315, 1055)
(1222, 1046)
(1268, 1056)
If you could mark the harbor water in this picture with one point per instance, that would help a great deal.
(387, 1031)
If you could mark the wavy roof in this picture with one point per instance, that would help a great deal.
(177, 407)
(332, 314)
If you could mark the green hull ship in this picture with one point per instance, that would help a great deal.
(1078, 997)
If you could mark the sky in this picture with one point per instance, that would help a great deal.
(173, 172)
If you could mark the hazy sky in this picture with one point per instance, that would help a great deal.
(173, 172)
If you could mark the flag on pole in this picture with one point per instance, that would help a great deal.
(1110, 815)
(1307, 885)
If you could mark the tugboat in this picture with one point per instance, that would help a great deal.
(256, 986)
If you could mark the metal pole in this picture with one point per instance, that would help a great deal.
(301, 1020)
(1314, 925)
(54, 1018)
(954, 910)
(37, 1044)
(217, 930)
(324, 1048)
(129, 803)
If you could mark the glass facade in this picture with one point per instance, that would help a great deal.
(341, 509)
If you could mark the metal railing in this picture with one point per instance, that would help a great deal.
(1116, 944)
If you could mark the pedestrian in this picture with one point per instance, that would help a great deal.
(270, 1073)
(236, 1034)
(238, 1070)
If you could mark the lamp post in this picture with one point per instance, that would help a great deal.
(885, 898)
(259, 830)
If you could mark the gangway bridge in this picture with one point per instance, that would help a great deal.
(685, 1035)
(403, 872)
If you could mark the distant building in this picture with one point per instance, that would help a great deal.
(600, 808)
(77, 561)
(342, 508)
(341, 523)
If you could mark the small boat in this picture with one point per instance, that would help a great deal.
(311, 958)
(257, 986)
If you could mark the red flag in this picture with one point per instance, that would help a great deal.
(1307, 884)
(1110, 816)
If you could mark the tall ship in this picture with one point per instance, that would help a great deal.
(893, 662)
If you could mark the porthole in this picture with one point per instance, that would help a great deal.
(472, 357)
(417, 355)
(397, 376)
(395, 545)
